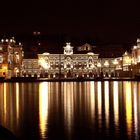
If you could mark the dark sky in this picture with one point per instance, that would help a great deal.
(102, 20)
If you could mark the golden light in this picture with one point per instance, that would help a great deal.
(92, 66)
(17, 101)
(127, 87)
(116, 102)
(138, 40)
(43, 108)
(134, 47)
(138, 60)
(4, 68)
(106, 89)
(92, 98)
(115, 62)
(5, 103)
(99, 98)
(127, 60)
(106, 63)
(11, 40)
(2, 40)
(68, 104)
(16, 70)
(135, 108)
(43, 63)
(90, 53)
(98, 64)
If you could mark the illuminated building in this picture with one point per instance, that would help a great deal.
(11, 57)
(68, 64)
(135, 62)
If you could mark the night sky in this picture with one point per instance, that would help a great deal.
(116, 21)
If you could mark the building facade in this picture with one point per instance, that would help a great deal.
(70, 65)
(11, 58)
(66, 65)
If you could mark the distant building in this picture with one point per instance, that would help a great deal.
(87, 64)
(11, 58)
(67, 64)
(71, 65)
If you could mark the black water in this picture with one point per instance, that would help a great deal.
(71, 110)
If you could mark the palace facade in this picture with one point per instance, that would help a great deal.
(68, 64)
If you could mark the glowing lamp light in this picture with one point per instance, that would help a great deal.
(106, 63)
(138, 40)
(128, 60)
(4, 67)
(17, 70)
(134, 47)
(138, 59)
(11, 40)
(92, 66)
(115, 62)
(99, 64)
(2, 40)
(43, 63)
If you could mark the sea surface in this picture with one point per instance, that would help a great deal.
(90, 110)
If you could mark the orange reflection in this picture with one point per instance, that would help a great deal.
(80, 92)
(43, 108)
(17, 101)
(135, 110)
(107, 102)
(116, 103)
(68, 104)
(99, 101)
(92, 99)
(5, 107)
(127, 87)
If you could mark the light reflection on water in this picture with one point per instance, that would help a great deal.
(128, 100)
(43, 108)
(116, 102)
(17, 102)
(135, 110)
(5, 102)
(106, 92)
(71, 110)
